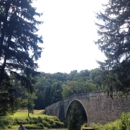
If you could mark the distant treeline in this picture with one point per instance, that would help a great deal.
(51, 88)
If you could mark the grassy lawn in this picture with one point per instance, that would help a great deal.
(12, 121)
(24, 114)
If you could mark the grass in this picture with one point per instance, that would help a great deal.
(36, 119)
(24, 114)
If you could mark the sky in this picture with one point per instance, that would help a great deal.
(68, 32)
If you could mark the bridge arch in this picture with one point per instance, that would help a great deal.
(81, 107)
(98, 107)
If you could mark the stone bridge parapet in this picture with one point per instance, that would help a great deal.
(98, 107)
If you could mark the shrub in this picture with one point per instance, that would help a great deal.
(9, 126)
(50, 121)
(55, 118)
(30, 126)
(40, 120)
(15, 121)
(46, 124)
(40, 126)
(34, 120)
(59, 124)
(74, 118)
(31, 123)
(124, 124)
(5, 122)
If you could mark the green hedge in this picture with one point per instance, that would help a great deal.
(32, 123)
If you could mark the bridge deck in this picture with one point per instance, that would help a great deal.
(87, 128)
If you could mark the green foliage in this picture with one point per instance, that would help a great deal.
(35, 121)
(56, 92)
(40, 125)
(30, 126)
(5, 121)
(16, 121)
(48, 95)
(89, 86)
(120, 124)
(30, 105)
(53, 122)
(19, 50)
(124, 124)
(95, 76)
(46, 124)
(113, 41)
(51, 88)
(65, 91)
(74, 119)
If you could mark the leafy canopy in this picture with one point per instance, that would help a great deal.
(19, 46)
(114, 41)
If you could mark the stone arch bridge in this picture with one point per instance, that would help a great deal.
(98, 107)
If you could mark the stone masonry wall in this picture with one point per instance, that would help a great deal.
(99, 107)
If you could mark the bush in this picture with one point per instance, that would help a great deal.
(74, 118)
(124, 124)
(46, 124)
(55, 118)
(31, 123)
(40, 120)
(34, 120)
(40, 126)
(50, 121)
(5, 122)
(15, 121)
(30, 126)
(59, 124)
(9, 127)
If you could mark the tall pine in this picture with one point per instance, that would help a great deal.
(74, 119)
(114, 42)
(19, 48)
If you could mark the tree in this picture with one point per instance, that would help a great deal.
(95, 76)
(74, 119)
(30, 104)
(66, 91)
(89, 86)
(124, 124)
(114, 41)
(19, 46)
(43, 88)
(56, 92)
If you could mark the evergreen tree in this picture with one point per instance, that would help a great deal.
(56, 92)
(19, 47)
(114, 41)
(30, 104)
(74, 119)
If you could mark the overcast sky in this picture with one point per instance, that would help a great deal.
(68, 33)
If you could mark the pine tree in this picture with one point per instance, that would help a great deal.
(30, 104)
(114, 41)
(19, 46)
(74, 119)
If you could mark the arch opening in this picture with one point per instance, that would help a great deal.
(80, 108)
